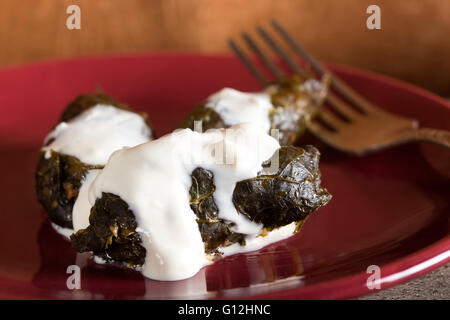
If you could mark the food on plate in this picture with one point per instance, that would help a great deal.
(287, 105)
(169, 206)
(172, 205)
(90, 129)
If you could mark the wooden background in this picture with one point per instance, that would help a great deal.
(412, 45)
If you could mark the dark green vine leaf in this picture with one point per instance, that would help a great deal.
(287, 195)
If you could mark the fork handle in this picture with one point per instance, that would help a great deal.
(440, 137)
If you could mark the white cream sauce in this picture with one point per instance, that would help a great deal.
(65, 232)
(91, 137)
(236, 107)
(82, 207)
(154, 179)
(256, 242)
(97, 132)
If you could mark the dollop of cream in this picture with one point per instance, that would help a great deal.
(236, 107)
(97, 132)
(65, 232)
(154, 179)
(82, 207)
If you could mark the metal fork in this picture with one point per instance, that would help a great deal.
(366, 128)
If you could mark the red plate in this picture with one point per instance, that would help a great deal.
(390, 209)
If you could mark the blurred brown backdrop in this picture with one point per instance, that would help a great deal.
(412, 45)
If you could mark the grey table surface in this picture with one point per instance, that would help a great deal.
(431, 286)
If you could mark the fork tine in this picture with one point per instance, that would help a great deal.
(283, 54)
(269, 64)
(322, 132)
(248, 63)
(359, 101)
(342, 108)
(331, 119)
(299, 49)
